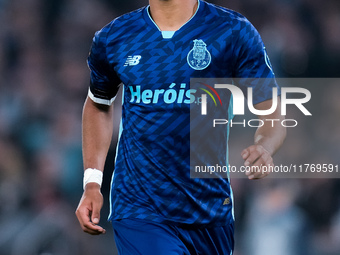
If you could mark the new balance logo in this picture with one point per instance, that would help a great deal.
(132, 60)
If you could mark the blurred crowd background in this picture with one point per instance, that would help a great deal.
(44, 81)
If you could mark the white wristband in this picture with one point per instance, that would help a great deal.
(92, 175)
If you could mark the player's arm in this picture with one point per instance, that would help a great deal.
(267, 140)
(97, 128)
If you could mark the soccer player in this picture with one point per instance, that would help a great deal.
(156, 208)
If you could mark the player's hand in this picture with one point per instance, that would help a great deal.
(88, 211)
(256, 156)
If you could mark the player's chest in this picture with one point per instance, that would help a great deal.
(137, 62)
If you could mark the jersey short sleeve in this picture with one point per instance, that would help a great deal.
(252, 65)
(104, 81)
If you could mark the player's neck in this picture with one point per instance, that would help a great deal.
(170, 15)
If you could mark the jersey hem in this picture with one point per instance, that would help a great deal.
(175, 223)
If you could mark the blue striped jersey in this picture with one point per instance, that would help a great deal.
(151, 179)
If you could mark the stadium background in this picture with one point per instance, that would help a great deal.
(43, 84)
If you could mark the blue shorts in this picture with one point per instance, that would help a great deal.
(140, 237)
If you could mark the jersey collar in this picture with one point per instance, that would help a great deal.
(152, 23)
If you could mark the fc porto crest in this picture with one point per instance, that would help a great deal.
(199, 57)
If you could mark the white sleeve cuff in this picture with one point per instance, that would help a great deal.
(100, 100)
